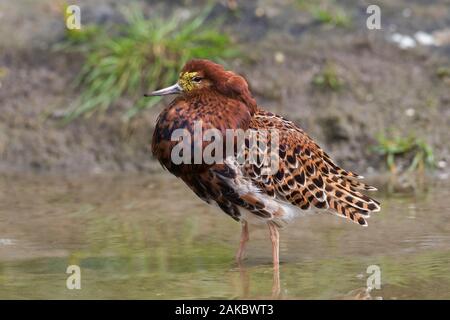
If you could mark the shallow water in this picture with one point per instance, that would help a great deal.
(150, 238)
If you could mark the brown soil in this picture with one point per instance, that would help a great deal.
(284, 50)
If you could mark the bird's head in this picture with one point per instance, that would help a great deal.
(199, 75)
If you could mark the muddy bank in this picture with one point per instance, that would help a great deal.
(382, 88)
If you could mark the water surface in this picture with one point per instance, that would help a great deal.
(149, 237)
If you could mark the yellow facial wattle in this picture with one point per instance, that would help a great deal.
(186, 82)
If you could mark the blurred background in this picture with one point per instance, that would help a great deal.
(71, 99)
(78, 184)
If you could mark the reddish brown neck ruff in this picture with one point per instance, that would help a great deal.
(222, 101)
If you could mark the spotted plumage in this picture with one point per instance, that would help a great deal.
(306, 178)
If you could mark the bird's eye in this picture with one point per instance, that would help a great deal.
(196, 79)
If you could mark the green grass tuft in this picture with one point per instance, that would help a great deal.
(142, 55)
(328, 78)
(443, 73)
(326, 12)
(419, 153)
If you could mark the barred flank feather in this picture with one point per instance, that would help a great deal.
(308, 178)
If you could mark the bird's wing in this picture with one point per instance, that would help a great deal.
(307, 177)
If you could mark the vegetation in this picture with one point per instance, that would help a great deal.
(443, 74)
(419, 152)
(326, 12)
(328, 78)
(142, 55)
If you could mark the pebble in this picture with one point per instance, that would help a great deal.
(442, 37)
(403, 41)
(259, 12)
(424, 38)
(410, 112)
(6, 242)
(279, 57)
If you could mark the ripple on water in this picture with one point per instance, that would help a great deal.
(149, 237)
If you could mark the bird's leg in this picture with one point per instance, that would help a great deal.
(275, 238)
(276, 288)
(244, 239)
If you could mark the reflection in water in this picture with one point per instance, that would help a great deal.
(358, 294)
(276, 289)
(245, 281)
(149, 238)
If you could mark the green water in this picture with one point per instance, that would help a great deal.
(149, 238)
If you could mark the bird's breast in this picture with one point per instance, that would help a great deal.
(187, 126)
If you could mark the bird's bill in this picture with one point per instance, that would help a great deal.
(175, 89)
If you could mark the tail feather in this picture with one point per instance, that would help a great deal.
(346, 201)
(345, 210)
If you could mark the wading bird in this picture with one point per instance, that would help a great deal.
(306, 178)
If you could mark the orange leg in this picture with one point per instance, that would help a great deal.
(244, 239)
(275, 238)
(276, 288)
